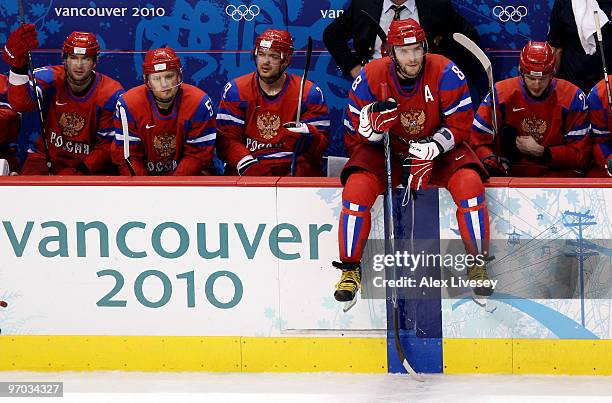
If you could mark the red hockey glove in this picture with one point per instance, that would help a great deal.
(19, 43)
(377, 118)
(416, 172)
(496, 168)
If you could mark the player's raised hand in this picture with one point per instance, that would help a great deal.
(377, 118)
(19, 43)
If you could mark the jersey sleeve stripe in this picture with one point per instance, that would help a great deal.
(481, 126)
(229, 118)
(463, 105)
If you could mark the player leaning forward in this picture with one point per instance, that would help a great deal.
(171, 124)
(78, 104)
(426, 108)
(257, 132)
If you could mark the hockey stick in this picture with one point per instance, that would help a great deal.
(379, 31)
(486, 64)
(599, 39)
(41, 119)
(298, 116)
(126, 140)
(390, 248)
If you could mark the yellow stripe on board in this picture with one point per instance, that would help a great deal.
(309, 354)
(528, 356)
(186, 353)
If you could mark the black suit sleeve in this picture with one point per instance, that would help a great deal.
(336, 37)
(556, 32)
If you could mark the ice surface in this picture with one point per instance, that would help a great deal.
(85, 387)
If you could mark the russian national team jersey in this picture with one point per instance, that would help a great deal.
(251, 124)
(9, 119)
(439, 98)
(181, 143)
(600, 124)
(77, 128)
(559, 121)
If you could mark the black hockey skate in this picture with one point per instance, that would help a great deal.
(349, 284)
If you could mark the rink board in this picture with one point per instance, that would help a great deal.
(233, 274)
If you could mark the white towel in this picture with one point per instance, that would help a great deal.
(585, 21)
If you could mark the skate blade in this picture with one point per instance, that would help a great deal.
(349, 304)
(480, 300)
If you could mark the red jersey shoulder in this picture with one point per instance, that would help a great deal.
(565, 91)
(136, 97)
(245, 86)
(107, 87)
(436, 63)
(191, 97)
(507, 88)
(377, 69)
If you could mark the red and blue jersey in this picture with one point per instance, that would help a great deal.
(558, 121)
(180, 143)
(9, 119)
(78, 128)
(250, 124)
(10, 122)
(600, 124)
(439, 98)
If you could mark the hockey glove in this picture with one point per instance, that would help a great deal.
(377, 118)
(297, 137)
(416, 172)
(495, 166)
(19, 43)
(430, 147)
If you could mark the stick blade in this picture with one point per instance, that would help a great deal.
(474, 49)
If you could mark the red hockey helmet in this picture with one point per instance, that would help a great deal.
(81, 43)
(405, 32)
(537, 59)
(161, 59)
(277, 39)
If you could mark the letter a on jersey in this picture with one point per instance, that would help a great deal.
(428, 96)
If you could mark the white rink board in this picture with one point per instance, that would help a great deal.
(64, 295)
(307, 285)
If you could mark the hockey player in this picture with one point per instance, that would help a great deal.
(600, 132)
(423, 101)
(171, 124)
(257, 132)
(78, 104)
(10, 122)
(543, 121)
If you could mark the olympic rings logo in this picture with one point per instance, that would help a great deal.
(508, 13)
(242, 12)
